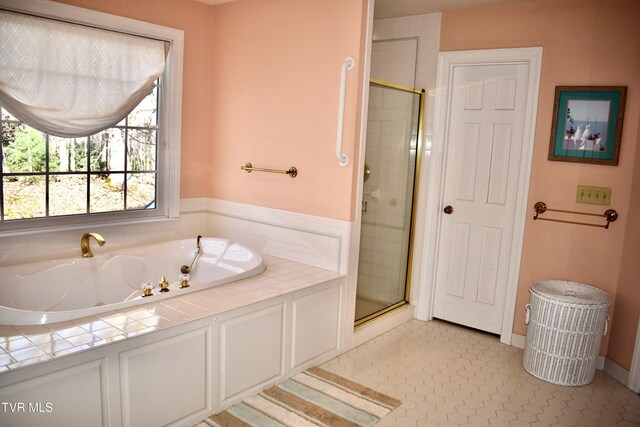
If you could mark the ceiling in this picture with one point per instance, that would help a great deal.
(394, 8)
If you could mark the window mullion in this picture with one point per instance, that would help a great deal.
(46, 175)
(126, 157)
(88, 174)
(1, 167)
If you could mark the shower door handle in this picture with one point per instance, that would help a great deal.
(448, 210)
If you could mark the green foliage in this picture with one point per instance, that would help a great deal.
(24, 150)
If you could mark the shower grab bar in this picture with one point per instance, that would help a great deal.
(343, 159)
(610, 215)
(292, 171)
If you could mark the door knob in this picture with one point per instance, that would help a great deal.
(448, 210)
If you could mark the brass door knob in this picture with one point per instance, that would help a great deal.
(448, 210)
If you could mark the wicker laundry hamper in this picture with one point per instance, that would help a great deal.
(566, 321)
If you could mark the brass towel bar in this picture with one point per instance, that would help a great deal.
(610, 215)
(248, 168)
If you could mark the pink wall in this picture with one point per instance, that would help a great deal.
(586, 42)
(195, 20)
(261, 84)
(275, 76)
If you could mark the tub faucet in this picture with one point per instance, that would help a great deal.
(186, 269)
(84, 243)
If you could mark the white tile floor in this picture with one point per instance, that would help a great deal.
(448, 375)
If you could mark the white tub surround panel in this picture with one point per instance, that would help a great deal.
(176, 361)
(313, 240)
(56, 244)
(317, 241)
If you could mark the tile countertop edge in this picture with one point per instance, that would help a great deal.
(29, 345)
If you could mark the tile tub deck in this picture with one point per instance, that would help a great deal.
(22, 346)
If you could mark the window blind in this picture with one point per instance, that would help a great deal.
(71, 80)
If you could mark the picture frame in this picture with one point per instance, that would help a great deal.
(587, 124)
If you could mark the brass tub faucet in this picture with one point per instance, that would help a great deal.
(84, 243)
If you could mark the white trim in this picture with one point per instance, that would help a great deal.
(634, 371)
(383, 324)
(517, 340)
(616, 371)
(353, 245)
(172, 119)
(447, 61)
(170, 131)
(308, 239)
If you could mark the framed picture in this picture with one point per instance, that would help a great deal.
(587, 124)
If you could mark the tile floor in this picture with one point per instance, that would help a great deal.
(448, 375)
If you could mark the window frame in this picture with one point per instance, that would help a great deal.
(169, 118)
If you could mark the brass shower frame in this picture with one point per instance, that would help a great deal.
(407, 288)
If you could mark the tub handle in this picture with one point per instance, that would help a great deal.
(527, 314)
(606, 325)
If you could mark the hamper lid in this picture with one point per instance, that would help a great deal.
(570, 292)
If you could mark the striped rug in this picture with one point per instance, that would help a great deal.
(310, 399)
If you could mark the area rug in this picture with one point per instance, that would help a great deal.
(313, 398)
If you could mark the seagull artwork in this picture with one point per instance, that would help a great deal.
(587, 133)
(578, 133)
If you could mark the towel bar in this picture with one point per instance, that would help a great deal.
(610, 215)
(292, 171)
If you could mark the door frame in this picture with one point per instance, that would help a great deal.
(447, 62)
(634, 373)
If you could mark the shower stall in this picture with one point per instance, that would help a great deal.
(392, 163)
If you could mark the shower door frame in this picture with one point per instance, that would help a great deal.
(414, 198)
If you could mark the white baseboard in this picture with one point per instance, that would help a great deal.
(517, 340)
(616, 371)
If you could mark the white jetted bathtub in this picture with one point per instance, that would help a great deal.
(54, 291)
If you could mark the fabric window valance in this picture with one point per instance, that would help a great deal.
(71, 80)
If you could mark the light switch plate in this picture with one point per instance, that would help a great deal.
(593, 195)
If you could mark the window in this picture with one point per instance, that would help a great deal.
(126, 172)
(46, 176)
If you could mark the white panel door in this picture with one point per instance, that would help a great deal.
(484, 147)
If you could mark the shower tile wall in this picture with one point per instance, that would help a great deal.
(394, 61)
(385, 227)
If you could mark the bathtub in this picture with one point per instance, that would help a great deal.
(54, 291)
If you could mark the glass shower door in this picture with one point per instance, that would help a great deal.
(391, 165)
